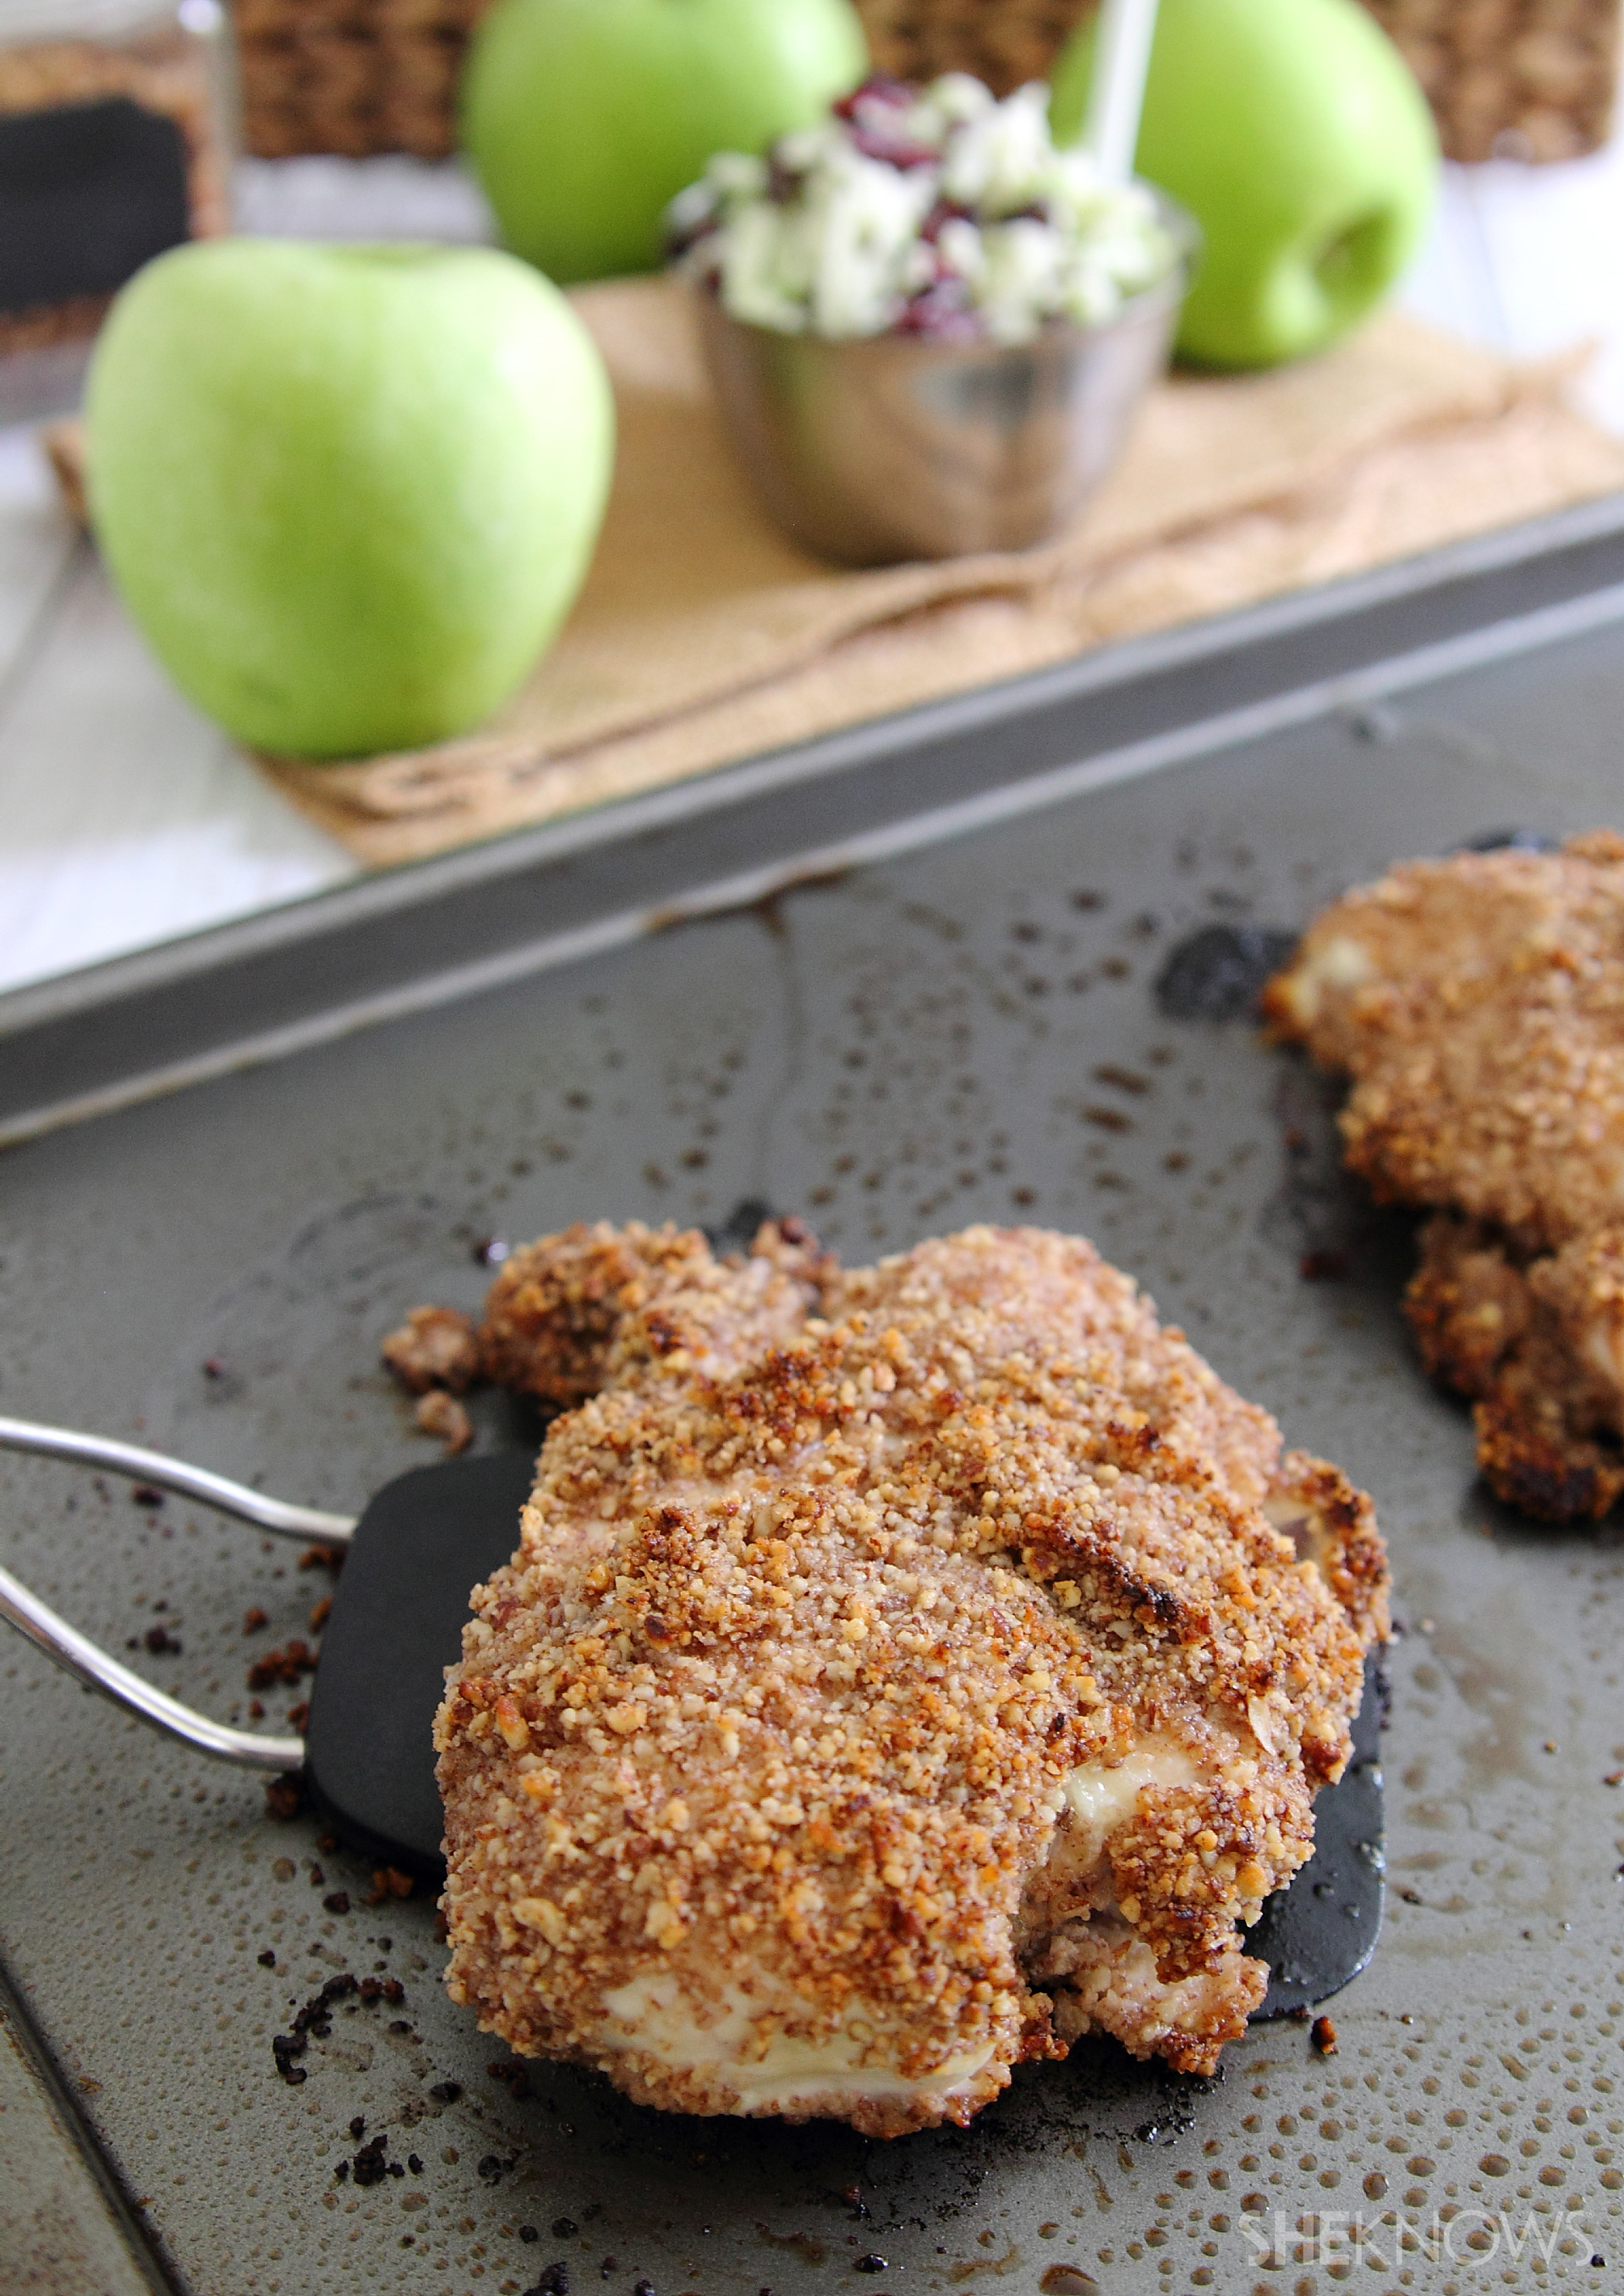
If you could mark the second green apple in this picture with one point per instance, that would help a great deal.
(584, 118)
(1298, 137)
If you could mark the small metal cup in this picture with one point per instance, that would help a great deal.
(895, 446)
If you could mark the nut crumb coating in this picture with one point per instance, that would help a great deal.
(1477, 1003)
(886, 1693)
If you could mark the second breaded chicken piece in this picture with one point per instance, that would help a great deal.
(1477, 1002)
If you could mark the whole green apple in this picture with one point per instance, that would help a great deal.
(584, 118)
(349, 493)
(1297, 136)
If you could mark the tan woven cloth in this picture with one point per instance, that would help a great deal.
(703, 635)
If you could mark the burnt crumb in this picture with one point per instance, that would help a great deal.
(316, 2018)
(317, 1878)
(639, 2287)
(340, 2175)
(1109, 1120)
(284, 1796)
(1175, 1161)
(1613, 1778)
(357, 2127)
(529, 2233)
(445, 2092)
(298, 1717)
(252, 1620)
(1219, 972)
(337, 1901)
(513, 2077)
(322, 1558)
(491, 1251)
(1331, 1265)
(565, 2227)
(383, 1989)
(1123, 1080)
(161, 1643)
(612, 2264)
(388, 1881)
(415, 2163)
(286, 1665)
(1322, 2034)
(870, 2264)
(320, 1612)
(267, 1959)
(214, 1367)
(256, 1710)
(555, 2281)
(146, 1494)
(286, 2048)
(369, 2167)
(1115, 968)
(1084, 899)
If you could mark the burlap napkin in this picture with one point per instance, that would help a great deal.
(704, 635)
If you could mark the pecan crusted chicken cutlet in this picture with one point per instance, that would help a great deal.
(900, 1673)
(1477, 1002)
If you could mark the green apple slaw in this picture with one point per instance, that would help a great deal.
(937, 211)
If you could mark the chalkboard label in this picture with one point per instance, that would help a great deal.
(88, 194)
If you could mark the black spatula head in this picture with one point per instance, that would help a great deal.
(399, 1610)
(1319, 1933)
(396, 1624)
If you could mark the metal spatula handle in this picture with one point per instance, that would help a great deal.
(276, 1515)
(92, 1666)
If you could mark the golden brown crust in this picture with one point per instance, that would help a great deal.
(812, 1620)
(1478, 1005)
(1536, 1345)
(568, 1313)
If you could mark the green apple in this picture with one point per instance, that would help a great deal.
(349, 493)
(584, 118)
(1297, 136)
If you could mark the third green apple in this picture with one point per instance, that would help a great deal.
(1299, 140)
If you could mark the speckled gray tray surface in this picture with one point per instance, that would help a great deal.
(969, 1033)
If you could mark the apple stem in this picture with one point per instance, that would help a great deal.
(1116, 92)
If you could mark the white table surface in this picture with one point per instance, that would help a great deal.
(125, 819)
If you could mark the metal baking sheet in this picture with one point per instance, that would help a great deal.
(926, 1039)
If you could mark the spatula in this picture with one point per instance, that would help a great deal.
(410, 1559)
